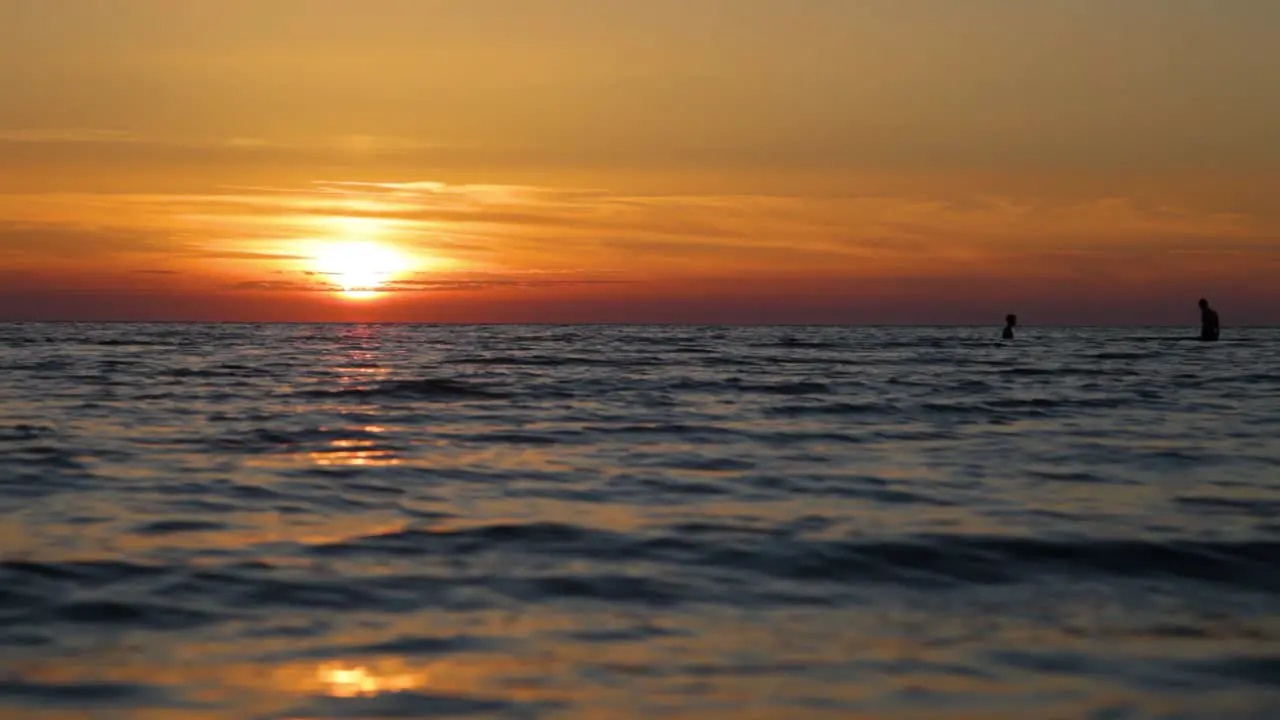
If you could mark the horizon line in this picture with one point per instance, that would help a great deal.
(443, 323)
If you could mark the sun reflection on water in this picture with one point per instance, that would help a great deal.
(355, 453)
(351, 681)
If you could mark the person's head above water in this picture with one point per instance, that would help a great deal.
(1204, 304)
(1010, 320)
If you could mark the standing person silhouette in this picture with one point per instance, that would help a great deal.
(1209, 327)
(1010, 322)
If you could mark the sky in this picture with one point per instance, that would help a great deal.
(717, 161)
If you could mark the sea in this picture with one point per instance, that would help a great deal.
(288, 522)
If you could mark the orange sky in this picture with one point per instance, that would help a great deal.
(1075, 161)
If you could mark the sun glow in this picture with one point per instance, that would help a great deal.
(361, 268)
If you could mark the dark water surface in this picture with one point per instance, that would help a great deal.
(272, 521)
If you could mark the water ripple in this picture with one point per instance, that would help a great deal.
(314, 521)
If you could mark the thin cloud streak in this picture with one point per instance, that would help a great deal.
(426, 286)
(66, 136)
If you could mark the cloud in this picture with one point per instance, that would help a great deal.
(248, 143)
(489, 282)
(281, 286)
(72, 240)
(784, 234)
(65, 136)
(473, 237)
(312, 281)
(738, 217)
(336, 146)
(211, 254)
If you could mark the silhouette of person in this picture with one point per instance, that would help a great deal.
(1209, 327)
(1010, 322)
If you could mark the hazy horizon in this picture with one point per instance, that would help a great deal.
(1023, 327)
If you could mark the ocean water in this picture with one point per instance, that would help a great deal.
(329, 521)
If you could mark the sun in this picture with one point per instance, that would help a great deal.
(361, 268)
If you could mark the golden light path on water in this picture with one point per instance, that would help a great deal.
(372, 544)
(350, 681)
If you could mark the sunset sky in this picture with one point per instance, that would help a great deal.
(737, 161)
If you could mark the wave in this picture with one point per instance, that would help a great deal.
(407, 704)
(928, 559)
(23, 431)
(87, 695)
(799, 344)
(833, 408)
(176, 527)
(424, 389)
(413, 646)
(799, 387)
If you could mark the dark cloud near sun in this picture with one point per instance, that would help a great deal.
(282, 286)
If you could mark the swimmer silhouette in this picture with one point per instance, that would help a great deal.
(1010, 321)
(1209, 327)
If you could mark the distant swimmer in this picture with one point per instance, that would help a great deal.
(1209, 328)
(1010, 322)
